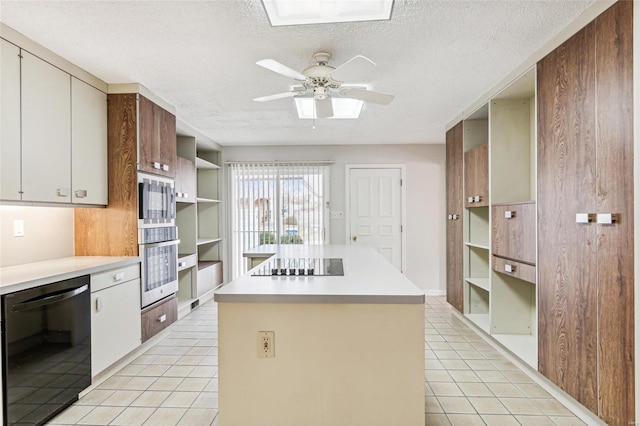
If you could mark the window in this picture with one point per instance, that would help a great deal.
(276, 203)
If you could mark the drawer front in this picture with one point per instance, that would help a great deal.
(514, 231)
(114, 276)
(158, 317)
(209, 278)
(515, 269)
(185, 262)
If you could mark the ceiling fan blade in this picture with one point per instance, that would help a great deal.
(324, 107)
(276, 66)
(353, 69)
(276, 96)
(367, 96)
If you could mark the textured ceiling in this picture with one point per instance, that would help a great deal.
(437, 57)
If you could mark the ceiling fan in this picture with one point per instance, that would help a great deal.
(323, 82)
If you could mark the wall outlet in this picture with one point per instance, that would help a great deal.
(266, 344)
(18, 228)
(337, 214)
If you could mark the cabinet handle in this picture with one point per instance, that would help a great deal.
(607, 218)
(470, 200)
(509, 214)
(454, 217)
(584, 217)
(178, 194)
(450, 217)
(185, 195)
(165, 167)
(63, 192)
(476, 199)
(98, 304)
(181, 264)
(118, 276)
(162, 318)
(81, 193)
(156, 165)
(509, 268)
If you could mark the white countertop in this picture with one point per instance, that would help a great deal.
(29, 275)
(368, 278)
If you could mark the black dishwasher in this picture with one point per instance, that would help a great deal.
(46, 350)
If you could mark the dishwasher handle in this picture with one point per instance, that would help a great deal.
(48, 299)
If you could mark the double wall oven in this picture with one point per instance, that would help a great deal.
(157, 238)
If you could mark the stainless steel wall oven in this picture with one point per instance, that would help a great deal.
(159, 253)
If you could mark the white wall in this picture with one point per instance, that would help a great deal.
(48, 234)
(425, 189)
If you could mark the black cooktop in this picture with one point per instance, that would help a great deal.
(313, 266)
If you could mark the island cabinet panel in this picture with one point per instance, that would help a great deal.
(585, 165)
(476, 176)
(454, 218)
(514, 230)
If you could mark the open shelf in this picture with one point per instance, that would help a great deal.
(202, 241)
(483, 283)
(207, 200)
(483, 321)
(480, 246)
(206, 263)
(523, 346)
(203, 164)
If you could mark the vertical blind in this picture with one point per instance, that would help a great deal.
(276, 203)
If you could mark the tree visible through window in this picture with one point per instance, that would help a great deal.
(276, 204)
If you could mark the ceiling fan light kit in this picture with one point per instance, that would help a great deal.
(304, 12)
(324, 87)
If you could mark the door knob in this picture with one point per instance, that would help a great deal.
(354, 238)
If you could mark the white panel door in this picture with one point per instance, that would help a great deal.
(375, 210)
(10, 121)
(88, 144)
(46, 131)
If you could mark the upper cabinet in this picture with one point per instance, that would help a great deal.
(53, 133)
(157, 139)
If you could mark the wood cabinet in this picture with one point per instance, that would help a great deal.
(54, 138)
(157, 139)
(115, 316)
(476, 176)
(585, 165)
(159, 316)
(514, 231)
(454, 217)
(186, 181)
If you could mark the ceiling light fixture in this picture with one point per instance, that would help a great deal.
(342, 108)
(302, 12)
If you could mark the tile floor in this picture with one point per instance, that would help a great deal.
(175, 382)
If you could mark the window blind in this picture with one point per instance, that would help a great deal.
(276, 203)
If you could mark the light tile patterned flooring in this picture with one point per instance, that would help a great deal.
(175, 382)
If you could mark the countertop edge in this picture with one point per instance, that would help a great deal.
(71, 273)
(321, 298)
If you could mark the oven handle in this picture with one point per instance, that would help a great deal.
(48, 300)
(162, 244)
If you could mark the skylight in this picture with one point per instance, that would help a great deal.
(302, 12)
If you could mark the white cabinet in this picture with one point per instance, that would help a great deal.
(10, 118)
(54, 133)
(88, 144)
(46, 131)
(115, 316)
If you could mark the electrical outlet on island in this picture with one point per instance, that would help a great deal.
(266, 344)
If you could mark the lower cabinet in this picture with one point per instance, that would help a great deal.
(159, 316)
(115, 316)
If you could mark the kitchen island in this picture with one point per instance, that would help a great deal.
(347, 350)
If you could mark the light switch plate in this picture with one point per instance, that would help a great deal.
(18, 228)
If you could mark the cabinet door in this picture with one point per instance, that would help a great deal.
(10, 120)
(148, 137)
(88, 144)
(115, 324)
(567, 281)
(470, 178)
(46, 131)
(168, 153)
(454, 218)
(482, 174)
(514, 233)
(614, 176)
(186, 181)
